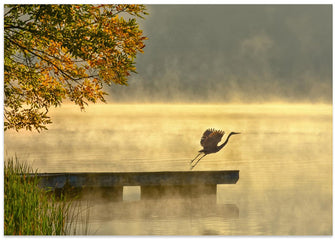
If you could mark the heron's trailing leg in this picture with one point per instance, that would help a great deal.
(195, 158)
(198, 161)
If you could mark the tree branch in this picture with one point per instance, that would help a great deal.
(49, 62)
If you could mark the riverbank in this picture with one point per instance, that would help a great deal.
(30, 210)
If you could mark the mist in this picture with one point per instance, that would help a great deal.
(233, 53)
(284, 156)
(206, 54)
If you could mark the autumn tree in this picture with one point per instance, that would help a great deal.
(57, 52)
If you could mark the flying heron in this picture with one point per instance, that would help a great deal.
(209, 141)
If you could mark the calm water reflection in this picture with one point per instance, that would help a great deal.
(284, 155)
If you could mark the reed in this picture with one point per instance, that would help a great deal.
(30, 210)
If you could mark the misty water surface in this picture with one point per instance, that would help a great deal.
(284, 155)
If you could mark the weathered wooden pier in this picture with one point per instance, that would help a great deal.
(152, 184)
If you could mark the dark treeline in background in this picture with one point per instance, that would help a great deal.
(233, 53)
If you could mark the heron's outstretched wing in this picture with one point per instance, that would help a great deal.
(211, 138)
(205, 135)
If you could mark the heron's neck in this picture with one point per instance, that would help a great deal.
(225, 142)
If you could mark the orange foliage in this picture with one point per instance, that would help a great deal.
(65, 51)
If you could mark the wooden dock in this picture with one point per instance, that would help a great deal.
(192, 183)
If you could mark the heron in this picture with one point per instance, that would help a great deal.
(209, 140)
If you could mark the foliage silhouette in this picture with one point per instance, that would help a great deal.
(57, 52)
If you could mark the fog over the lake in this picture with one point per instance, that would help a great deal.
(233, 53)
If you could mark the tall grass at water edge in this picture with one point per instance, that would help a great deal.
(30, 210)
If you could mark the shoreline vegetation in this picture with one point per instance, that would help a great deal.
(30, 210)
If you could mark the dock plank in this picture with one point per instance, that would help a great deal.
(116, 179)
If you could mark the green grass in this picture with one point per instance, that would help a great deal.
(30, 210)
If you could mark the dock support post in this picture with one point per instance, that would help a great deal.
(112, 193)
(193, 191)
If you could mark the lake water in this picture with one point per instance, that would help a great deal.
(284, 155)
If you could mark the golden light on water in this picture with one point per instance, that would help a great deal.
(284, 155)
(259, 54)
